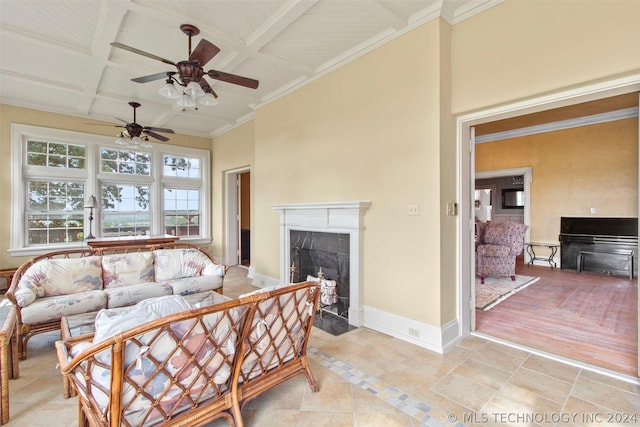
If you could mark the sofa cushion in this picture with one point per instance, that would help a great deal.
(178, 263)
(53, 277)
(127, 269)
(52, 308)
(194, 285)
(110, 322)
(123, 296)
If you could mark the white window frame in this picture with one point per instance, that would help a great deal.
(93, 178)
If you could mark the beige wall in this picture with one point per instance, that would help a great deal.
(9, 115)
(573, 170)
(523, 48)
(368, 131)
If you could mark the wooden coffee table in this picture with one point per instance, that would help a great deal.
(8, 357)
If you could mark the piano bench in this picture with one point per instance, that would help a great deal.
(628, 253)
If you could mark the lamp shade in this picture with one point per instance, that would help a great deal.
(169, 90)
(208, 100)
(194, 90)
(91, 202)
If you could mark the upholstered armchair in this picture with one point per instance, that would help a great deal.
(497, 246)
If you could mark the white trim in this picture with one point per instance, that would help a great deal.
(560, 125)
(438, 339)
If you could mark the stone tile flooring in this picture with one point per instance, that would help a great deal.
(370, 379)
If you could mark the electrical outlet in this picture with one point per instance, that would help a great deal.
(414, 209)
(414, 333)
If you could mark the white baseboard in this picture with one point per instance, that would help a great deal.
(438, 339)
(260, 280)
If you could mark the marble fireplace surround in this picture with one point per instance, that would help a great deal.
(332, 217)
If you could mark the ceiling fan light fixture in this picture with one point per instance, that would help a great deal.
(209, 100)
(169, 90)
(186, 101)
(194, 90)
(121, 139)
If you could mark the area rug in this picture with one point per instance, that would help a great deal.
(497, 289)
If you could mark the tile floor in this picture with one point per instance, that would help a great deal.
(370, 379)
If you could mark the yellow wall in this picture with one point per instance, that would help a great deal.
(9, 115)
(573, 170)
(368, 131)
(524, 48)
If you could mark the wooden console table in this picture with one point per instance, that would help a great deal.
(109, 242)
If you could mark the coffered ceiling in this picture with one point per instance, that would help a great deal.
(55, 55)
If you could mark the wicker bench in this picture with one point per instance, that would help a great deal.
(194, 366)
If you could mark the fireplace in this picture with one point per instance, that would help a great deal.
(343, 221)
(315, 253)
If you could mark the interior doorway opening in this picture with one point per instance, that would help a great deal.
(238, 217)
(467, 176)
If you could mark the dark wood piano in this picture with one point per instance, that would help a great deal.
(601, 245)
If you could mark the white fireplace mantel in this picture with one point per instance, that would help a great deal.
(331, 217)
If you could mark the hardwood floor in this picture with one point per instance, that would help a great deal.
(587, 317)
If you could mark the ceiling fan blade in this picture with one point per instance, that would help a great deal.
(233, 78)
(150, 78)
(205, 85)
(122, 120)
(154, 129)
(204, 52)
(143, 53)
(156, 135)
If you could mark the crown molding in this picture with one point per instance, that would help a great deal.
(560, 125)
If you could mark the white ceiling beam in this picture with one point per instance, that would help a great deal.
(109, 23)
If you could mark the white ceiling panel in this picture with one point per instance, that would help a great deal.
(57, 55)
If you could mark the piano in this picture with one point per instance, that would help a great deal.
(606, 244)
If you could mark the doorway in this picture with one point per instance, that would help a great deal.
(244, 221)
(467, 171)
(238, 217)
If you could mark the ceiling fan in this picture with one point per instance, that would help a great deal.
(133, 132)
(190, 74)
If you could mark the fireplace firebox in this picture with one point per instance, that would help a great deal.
(312, 252)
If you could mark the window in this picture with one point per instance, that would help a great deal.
(160, 190)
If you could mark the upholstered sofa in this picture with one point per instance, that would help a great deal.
(64, 283)
(189, 364)
(497, 246)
